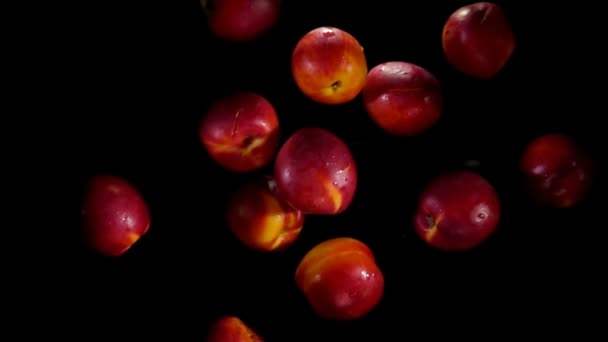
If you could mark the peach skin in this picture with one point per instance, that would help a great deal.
(402, 98)
(231, 329)
(340, 279)
(260, 219)
(240, 131)
(457, 211)
(115, 215)
(329, 66)
(558, 172)
(315, 172)
(478, 40)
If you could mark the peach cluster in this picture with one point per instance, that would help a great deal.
(314, 171)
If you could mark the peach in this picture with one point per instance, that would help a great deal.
(478, 39)
(240, 131)
(315, 172)
(260, 219)
(231, 329)
(115, 215)
(329, 66)
(340, 279)
(241, 20)
(557, 170)
(457, 211)
(402, 98)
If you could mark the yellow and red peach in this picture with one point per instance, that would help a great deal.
(340, 279)
(261, 220)
(240, 131)
(329, 66)
(231, 329)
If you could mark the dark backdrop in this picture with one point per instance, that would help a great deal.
(139, 77)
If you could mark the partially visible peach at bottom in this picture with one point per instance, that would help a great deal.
(231, 329)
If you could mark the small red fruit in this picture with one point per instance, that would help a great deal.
(315, 172)
(329, 66)
(231, 329)
(402, 98)
(557, 170)
(241, 20)
(340, 279)
(478, 39)
(240, 131)
(457, 211)
(261, 220)
(115, 215)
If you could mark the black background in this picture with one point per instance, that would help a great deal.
(139, 76)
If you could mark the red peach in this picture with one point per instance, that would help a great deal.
(231, 329)
(241, 20)
(329, 66)
(340, 279)
(557, 170)
(457, 211)
(315, 172)
(478, 39)
(115, 215)
(402, 98)
(261, 220)
(240, 131)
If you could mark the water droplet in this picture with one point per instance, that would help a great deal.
(328, 33)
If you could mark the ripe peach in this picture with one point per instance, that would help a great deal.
(240, 131)
(329, 66)
(340, 279)
(262, 221)
(557, 170)
(231, 329)
(241, 20)
(402, 98)
(315, 172)
(115, 215)
(457, 211)
(478, 39)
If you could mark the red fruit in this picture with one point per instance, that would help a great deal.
(115, 215)
(557, 170)
(241, 20)
(262, 221)
(329, 66)
(240, 131)
(231, 329)
(457, 211)
(478, 39)
(402, 98)
(315, 172)
(340, 279)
